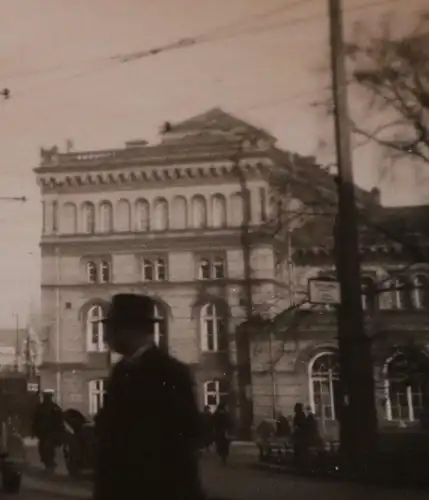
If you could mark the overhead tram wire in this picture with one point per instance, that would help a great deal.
(211, 32)
(206, 38)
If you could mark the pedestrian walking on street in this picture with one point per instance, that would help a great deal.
(221, 426)
(48, 428)
(282, 426)
(207, 428)
(148, 430)
(299, 433)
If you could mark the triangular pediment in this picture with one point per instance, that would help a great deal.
(214, 124)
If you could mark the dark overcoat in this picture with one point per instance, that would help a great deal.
(148, 432)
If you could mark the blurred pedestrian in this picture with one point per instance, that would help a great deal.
(48, 428)
(148, 428)
(207, 428)
(221, 424)
(283, 428)
(299, 432)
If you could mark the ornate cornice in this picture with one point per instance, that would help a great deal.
(148, 176)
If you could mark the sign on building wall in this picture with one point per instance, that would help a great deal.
(325, 292)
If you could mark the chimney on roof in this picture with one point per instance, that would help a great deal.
(375, 195)
(166, 127)
(69, 145)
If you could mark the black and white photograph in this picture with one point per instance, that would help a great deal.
(214, 261)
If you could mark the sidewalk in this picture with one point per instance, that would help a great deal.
(36, 479)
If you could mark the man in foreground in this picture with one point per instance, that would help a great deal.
(148, 428)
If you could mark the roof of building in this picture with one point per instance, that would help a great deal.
(216, 120)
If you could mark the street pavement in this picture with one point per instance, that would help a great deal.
(240, 480)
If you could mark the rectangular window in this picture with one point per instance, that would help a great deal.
(210, 335)
(105, 272)
(211, 268)
(161, 271)
(154, 269)
(218, 269)
(263, 201)
(43, 217)
(54, 216)
(147, 270)
(97, 393)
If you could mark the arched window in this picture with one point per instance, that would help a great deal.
(263, 204)
(199, 212)
(218, 211)
(104, 271)
(403, 396)
(421, 291)
(95, 330)
(105, 217)
(179, 216)
(214, 335)
(92, 272)
(160, 328)
(68, 221)
(97, 392)
(142, 216)
(147, 270)
(160, 270)
(123, 216)
(160, 215)
(215, 392)
(88, 218)
(398, 294)
(236, 210)
(369, 299)
(324, 378)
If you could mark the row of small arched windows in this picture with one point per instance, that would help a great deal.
(403, 400)
(212, 321)
(142, 216)
(398, 293)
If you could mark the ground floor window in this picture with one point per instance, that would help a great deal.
(97, 391)
(324, 379)
(404, 397)
(215, 392)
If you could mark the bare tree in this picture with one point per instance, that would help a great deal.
(393, 73)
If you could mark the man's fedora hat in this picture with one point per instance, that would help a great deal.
(130, 309)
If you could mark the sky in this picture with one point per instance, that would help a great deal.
(265, 62)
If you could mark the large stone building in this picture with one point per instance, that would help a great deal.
(217, 224)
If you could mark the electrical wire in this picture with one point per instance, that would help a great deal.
(212, 32)
(187, 42)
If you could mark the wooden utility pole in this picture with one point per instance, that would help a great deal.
(243, 341)
(358, 413)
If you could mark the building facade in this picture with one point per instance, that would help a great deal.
(163, 220)
(297, 360)
(219, 226)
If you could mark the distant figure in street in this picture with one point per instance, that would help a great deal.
(207, 428)
(221, 432)
(282, 426)
(148, 431)
(48, 428)
(312, 429)
(299, 431)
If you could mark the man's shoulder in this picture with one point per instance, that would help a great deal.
(170, 365)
